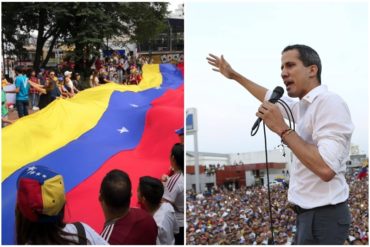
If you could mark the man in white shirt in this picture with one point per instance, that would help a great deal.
(321, 143)
(174, 188)
(150, 194)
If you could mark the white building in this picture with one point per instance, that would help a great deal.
(212, 161)
(208, 160)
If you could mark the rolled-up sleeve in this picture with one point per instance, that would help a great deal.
(332, 131)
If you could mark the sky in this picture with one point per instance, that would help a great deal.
(174, 4)
(251, 37)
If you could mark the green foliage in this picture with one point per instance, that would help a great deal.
(81, 25)
(13, 39)
(149, 23)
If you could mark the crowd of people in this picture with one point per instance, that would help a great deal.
(241, 216)
(35, 90)
(359, 205)
(116, 68)
(39, 216)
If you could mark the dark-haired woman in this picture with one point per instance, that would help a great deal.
(40, 211)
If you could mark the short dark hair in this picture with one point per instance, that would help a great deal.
(152, 189)
(19, 69)
(115, 189)
(178, 153)
(308, 56)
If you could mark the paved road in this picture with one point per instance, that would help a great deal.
(13, 114)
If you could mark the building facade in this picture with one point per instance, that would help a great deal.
(236, 170)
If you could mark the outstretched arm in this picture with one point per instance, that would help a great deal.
(37, 87)
(4, 120)
(16, 90)
(221, 65)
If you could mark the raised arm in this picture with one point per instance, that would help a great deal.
(221, 65)
(37, 87)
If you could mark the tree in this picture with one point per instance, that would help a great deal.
(13, 39)
(149, 21)
(23, 18)
(94, 22)
(82, 25)
(45, 15)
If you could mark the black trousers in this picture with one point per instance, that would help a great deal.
(179, 237)
(327, 225)
(22, 107)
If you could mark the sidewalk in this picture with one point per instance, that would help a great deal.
(13, 114)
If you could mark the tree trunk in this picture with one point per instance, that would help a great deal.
(40, 39)
(3, 54)
(80, 61)
(50, 51)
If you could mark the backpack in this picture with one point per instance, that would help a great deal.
(81, 233)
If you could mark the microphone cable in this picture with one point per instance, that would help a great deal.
(290, 120)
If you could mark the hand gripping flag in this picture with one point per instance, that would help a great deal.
(112, 126)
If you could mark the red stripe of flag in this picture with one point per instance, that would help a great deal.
(150, 158)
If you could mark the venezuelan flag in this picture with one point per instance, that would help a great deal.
(112, 126)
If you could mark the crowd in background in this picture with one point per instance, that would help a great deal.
(241, 216)
(36, 89)
(116, 68)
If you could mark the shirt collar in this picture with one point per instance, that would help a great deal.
(311, 96)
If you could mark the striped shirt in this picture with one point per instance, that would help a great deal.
(174, 193)
(136, 228)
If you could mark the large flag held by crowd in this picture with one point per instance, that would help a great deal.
(127, 127)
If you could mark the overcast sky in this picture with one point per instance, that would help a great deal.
(174, 5)
(251, 36)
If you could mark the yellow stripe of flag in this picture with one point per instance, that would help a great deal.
(64, 120)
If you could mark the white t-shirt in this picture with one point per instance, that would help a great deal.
(70, 85)
(92, 236)
(322, 119)
(165, 219)
(95, 82)
(174, 193)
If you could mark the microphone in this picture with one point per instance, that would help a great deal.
(275, 96)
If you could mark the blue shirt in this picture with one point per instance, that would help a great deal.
(21, 82)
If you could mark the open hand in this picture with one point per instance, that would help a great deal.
(220, 65)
